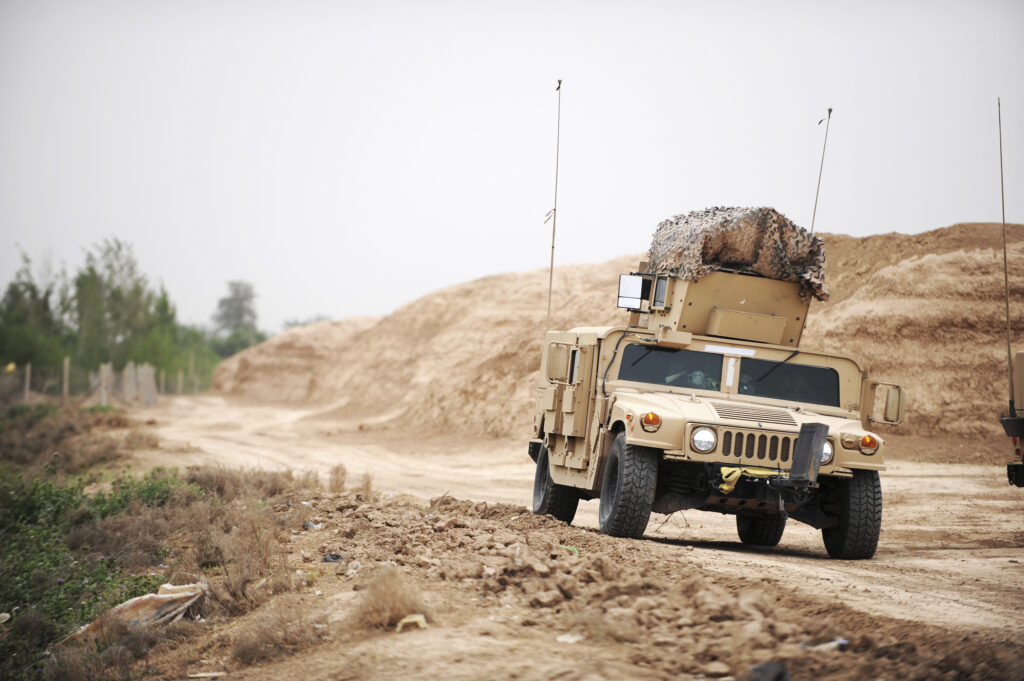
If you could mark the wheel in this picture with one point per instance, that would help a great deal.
(859, 504)
(627, 489)
(761, 530)
(550, 498)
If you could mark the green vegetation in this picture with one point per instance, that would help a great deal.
(68, 552)
(49, 588)
(109, 312)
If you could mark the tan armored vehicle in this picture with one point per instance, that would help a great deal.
(704, 401)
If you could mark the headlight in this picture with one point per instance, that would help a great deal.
(703, 439)
(826, 452)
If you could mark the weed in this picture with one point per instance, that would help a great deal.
(336, 478)
(140, 439)
(309, 480)
(388, 598)
(44, 436)
(99, 409)
(365, 490)
(286, 629)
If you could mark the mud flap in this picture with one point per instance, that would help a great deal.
(534, 449)
(1015, 474)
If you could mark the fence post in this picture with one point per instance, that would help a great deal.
(65, 387)
(105, 376)
(28, 379)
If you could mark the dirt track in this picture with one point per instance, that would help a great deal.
(951, 552)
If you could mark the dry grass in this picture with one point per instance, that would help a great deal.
(387, 599)
(365, 490)
(69, 440)
(336, 479)
(285, 629)
(252, 551)
(226, 529)
(140, 439)
(112, 656)
(309, 480)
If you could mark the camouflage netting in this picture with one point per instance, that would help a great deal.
(757, 240)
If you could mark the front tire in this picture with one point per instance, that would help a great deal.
(761, 530)
(859, 503)
(550, 498)
(627, 489)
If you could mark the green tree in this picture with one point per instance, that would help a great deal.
(114, 306)
(235, 320)
(31, 328)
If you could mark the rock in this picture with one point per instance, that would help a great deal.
(546, 599)
(716, 668)
(771, 670)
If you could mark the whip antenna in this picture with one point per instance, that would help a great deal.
(1006, 275)
(814, 214)
(553, 213)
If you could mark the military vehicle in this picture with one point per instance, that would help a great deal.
(704, 400)
(1013, 425)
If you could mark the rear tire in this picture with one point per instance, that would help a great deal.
(627, 489)
(550, 498)
(761, 530)
(859, 502)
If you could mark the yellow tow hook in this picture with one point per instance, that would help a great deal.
(730, 476)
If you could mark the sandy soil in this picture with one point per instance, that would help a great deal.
(947, 575)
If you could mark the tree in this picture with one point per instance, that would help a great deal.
(236, 311)
(31, 330)
(114, 306)
(235, 320)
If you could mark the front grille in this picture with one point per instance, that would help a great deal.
(758, 445)
(744, 412)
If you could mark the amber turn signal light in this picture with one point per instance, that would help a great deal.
(869, 444)
(651, 422)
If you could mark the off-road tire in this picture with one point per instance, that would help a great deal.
(761, 530)
(550, 498)
(627, 489)
(859, 503)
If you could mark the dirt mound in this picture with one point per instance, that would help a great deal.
(922, 310)
(285, 368)
(521, 596)
(464, 358)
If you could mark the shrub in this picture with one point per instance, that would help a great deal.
(387, 599)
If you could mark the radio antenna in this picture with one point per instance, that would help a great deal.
(1006, 275)
(553, 213)
(814, 214)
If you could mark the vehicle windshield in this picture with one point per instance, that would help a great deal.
(788, 381)
(671, 367)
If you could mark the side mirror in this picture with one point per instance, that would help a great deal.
(893, 405)
(633, 291)
(557, 365)
(874, 410)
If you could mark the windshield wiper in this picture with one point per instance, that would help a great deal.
(646, 352)
(765, 374)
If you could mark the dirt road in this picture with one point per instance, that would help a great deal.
(951, 552)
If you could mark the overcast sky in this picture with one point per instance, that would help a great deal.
(348, 157)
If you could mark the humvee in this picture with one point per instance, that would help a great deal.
(1013, 425)
(705, 401)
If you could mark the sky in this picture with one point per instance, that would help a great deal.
(347, 158)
